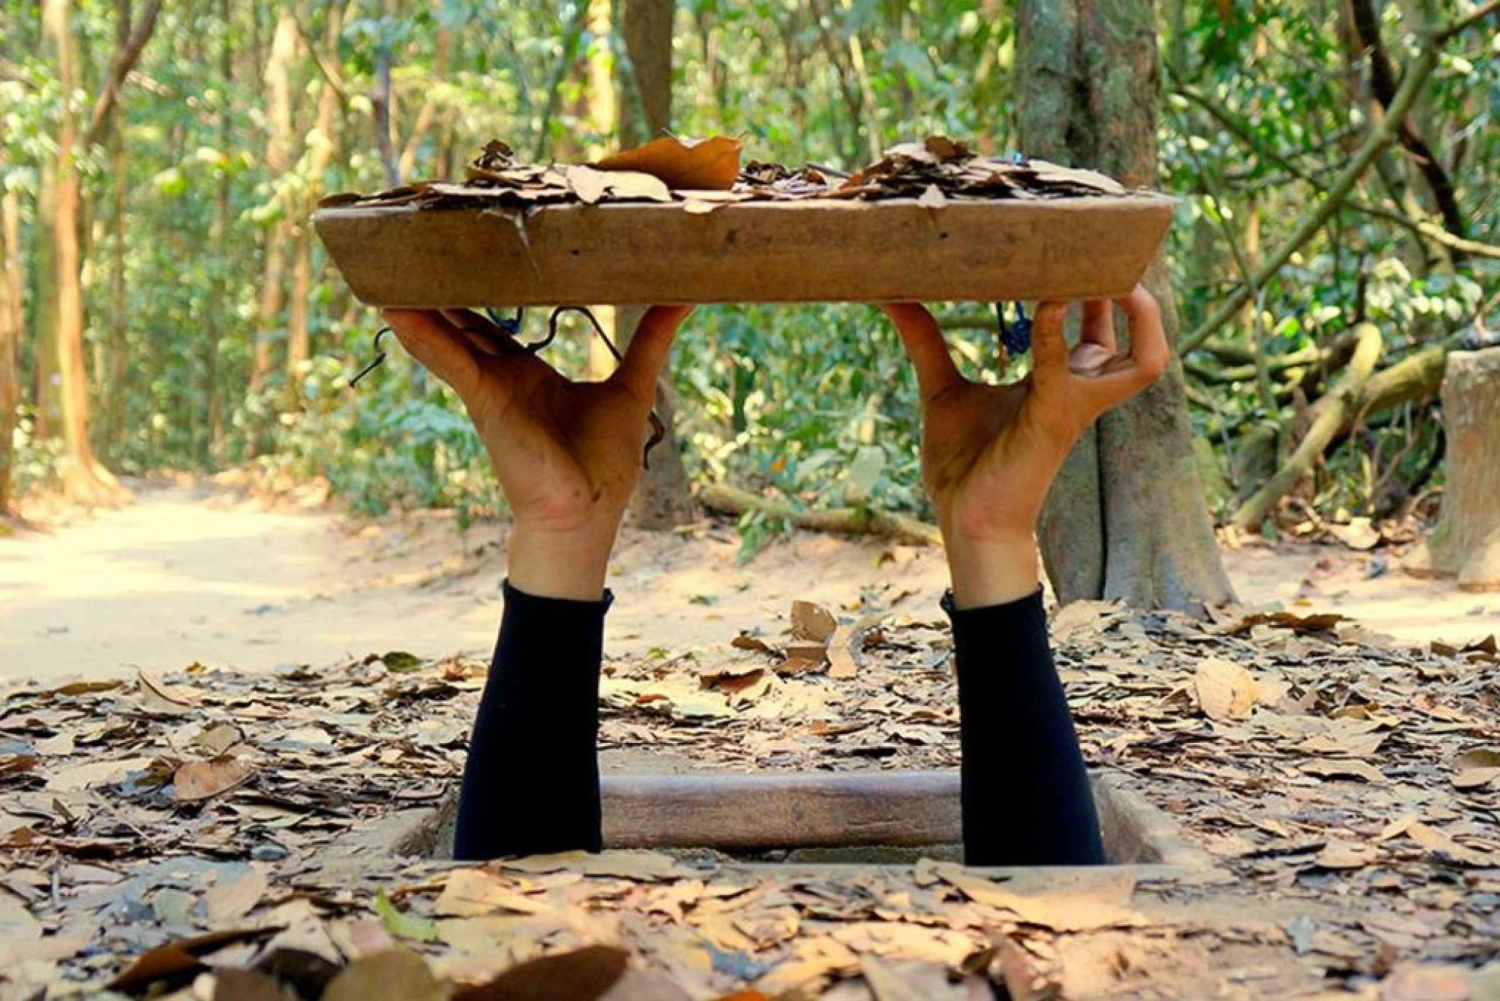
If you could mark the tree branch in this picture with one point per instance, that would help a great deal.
(1377, 140)
(124, 63)
(1383, 85)
(1467, 21)
(329, 73)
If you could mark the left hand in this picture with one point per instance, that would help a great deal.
(990, 453)
(567, 454)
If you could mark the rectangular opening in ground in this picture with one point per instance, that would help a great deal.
(816, 818)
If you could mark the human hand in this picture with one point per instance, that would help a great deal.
(567, 454)
(990, 453)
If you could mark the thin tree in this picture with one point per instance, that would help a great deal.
(10, 334)
(85, 479)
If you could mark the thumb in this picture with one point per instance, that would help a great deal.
(925, 347)
(1049, 349)
(648, 349)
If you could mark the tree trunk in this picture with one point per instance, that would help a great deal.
(1466, 542)
(45, 387)
(219, 308)
(1126, 518)
(380, 106)
(85, 480)
(278, 162)
(662, 499)
(319, 154)
(10, 334)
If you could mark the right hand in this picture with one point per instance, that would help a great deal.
(566, 454)
(990, 453)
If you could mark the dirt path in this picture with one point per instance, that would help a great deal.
(193, 574)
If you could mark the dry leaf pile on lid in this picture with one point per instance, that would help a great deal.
(703, 174)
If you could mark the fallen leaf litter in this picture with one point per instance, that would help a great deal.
(164, 832)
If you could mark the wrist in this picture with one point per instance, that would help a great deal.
(991, 570)
(551, 564)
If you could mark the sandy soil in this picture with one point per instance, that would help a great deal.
(197, 574)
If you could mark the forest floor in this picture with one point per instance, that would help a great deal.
(207, 814)
(201, 573)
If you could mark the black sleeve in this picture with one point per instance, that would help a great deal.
(531, 783)
(1026, 795)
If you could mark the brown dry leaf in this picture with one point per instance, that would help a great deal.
(744, 641)
(587, 183)
(393, 975)
(172, 698)
(932, 198)
(94, 773)
(198, 780)
(217, 739)
(1027, 976)
(813, 960)
(232, 900)
(697, 206)
(1302, 625)
(628, 184)
(1057, 174)
(1480, 757)
(1082, 617)
(1224, 690)
(886, 984)
(1475, 778)
(1441, 843)
(708, 164)
(581, 975)
(1343, 855)
(1396, 828)
(470, 892)
(639, 865)
(1350, 744)
(812, 622)
(1330, 769)
(176, 960)
(1091, 902)
(1414, 981)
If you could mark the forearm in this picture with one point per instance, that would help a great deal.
(552, 563)
(1026, 793)
(993, 570)
(531, 783)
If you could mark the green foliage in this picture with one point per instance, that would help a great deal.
(816, 403)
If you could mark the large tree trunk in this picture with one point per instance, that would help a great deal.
(1126, 518)
(85, 480)
(662, 499)
(1466, 542)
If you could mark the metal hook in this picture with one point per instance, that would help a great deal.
(511, 326)
(373, 365)
(658, 429)
(1014, 337)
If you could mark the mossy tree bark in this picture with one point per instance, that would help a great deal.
(1126, 518)
(662, 499)
(1466, 542)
